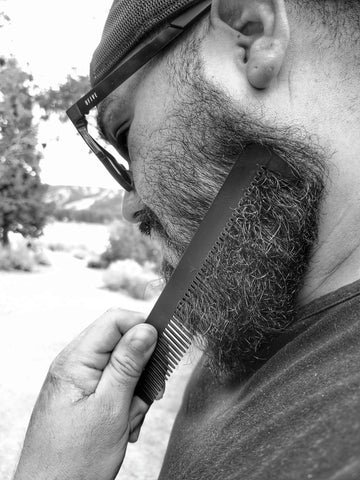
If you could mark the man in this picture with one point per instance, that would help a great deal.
(277, 395)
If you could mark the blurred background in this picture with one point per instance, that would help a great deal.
(66, 254)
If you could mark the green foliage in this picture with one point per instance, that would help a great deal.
(22, 209)
(126, 242)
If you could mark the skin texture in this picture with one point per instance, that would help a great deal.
(86, 414)
(247, 295)
(307, 89)
(295, 89)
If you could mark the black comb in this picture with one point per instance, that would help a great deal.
(173, 338)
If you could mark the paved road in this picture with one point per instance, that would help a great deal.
(39, 314)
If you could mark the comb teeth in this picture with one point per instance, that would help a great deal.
(187, 279)
(172, 344)
(174, 340)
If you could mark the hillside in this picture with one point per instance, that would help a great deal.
(85, 204)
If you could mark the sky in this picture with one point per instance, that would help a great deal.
(51, 40)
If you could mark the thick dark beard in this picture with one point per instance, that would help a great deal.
(249, 286)
(248, 295)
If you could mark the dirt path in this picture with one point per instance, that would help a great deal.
(39, 314)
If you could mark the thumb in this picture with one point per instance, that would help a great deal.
(127, 362)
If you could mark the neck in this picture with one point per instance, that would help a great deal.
(335, 260)
(322, 279)
(331, 114)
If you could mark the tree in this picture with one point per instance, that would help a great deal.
(4, 19)
(59, 100)
(22, 208)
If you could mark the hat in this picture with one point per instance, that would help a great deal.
(129, 22)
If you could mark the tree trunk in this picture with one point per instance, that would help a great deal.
(5, 237)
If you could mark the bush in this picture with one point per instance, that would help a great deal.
(82, 216)
(132, 278)
(80, 253)
(41, 258)
(20, 258)
(58, 247)
(126, 242)
(23, 255)
(97, 262)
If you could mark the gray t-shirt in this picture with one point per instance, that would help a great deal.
(296, 417)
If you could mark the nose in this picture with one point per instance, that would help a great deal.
(132, 204)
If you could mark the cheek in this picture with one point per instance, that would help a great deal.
(154, 103)
(151, 167)
(144, 163)
(149, 141)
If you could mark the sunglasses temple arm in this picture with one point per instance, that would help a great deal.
(76, 116)
(116, 170)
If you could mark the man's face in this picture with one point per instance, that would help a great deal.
(185, 136)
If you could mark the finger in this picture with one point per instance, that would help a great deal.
(160, 395)
(134, 436)
(138, 410)
(126, 364)
(97, 341)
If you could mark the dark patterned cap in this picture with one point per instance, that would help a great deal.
(129, 22)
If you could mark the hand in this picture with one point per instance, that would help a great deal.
(86, 412)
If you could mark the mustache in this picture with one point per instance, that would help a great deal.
(149, 222)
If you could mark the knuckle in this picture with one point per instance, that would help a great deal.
(122, 312)
(55, 374)
(138, 316)
(122, 316)
(112, 310)
(125, 365)
(61, 367)
(57, 366)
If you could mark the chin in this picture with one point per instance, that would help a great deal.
(166, 270)
(170, 259)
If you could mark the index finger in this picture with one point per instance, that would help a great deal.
(101, 337)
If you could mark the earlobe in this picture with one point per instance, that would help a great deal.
(265, 61)
(262, 31)
(267, 53)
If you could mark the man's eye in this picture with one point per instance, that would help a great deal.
(122, 142)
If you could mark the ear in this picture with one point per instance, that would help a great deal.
(262, 30)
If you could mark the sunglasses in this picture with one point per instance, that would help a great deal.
(131, 64)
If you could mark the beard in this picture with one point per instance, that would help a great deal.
(247, 297)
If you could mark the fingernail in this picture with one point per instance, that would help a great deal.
(160, 395)
(143, 337)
